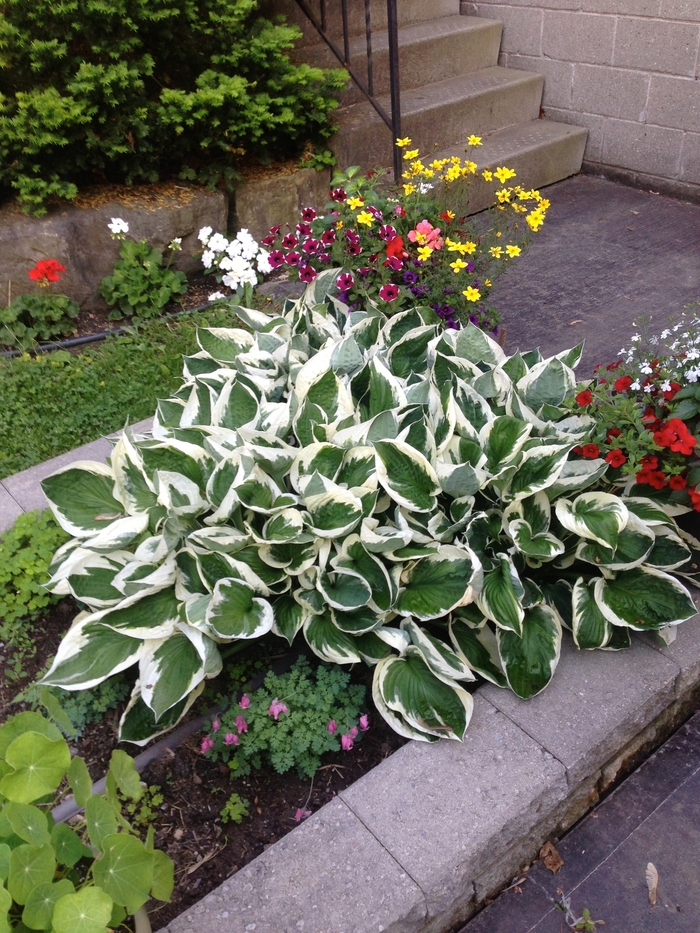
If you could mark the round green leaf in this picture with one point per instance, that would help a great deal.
(29, 867)
(66, 845)
(86, 911)
(101, 820)
(125, 871)
(39, 767)
(27, 822)
(38, 911)
(80, 781)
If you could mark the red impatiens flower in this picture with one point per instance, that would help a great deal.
(584, 398)
(395, 248)
(677, 482)
(623, 383)
(650, 462)
(615, 458)
(590, 451)
(47, 270)
(389, 292)
(654, 478)
(675, 434)
(694, 497)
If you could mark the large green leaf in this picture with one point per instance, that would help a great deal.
(547, 383)
(643, 598)
(80, 496)
(502, 594)
(38, 911)
(344, 590)
(502, 439)
(27, 822)
(87, 911)
(235, 612)
(39, 765)
(385, 391)
(101, 820)
(406, 475)
(529, 661)
(434, 585)
(29, 867)
(590, 627)
(170, 668)
(125, 871)
(224, 344)
(90, 653)
(479, 648)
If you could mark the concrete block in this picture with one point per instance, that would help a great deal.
(653, 150)
(684, 651)
(262, 203)
(594, 124)
(653, 45)
(610, 92)
(578, 37)
(626, 7)
(522, 29)
(10, 510)
(558, 78)
(690, 158)
(447, 812)
(596, 702)
(329, 874)
(674, 102)
(681, 9)
(483, 5)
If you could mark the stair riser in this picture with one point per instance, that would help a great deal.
(408, 11)
(367, 142)
(421, 62)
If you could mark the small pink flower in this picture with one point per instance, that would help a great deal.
(389, 292)
(241, 724)
(244, 702)
(346, 742)
(277, 707)
(353, 732)
(216, 725)
(364, 722)
(332, 726)
(302, 815)
(207, 744)
(230, 738)
(308, 214)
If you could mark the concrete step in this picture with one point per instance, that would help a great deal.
(439, 115)
(539, 152)
(408, 12)
(429, 51)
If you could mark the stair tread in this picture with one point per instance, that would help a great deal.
(499, 144)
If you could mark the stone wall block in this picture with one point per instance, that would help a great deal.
(626, 7)
(690, 158)
(674, 102)
(558, 78)
(655, 45)
(652, 149)
(578, 37)
(522, 28)
(265, 202)
(610, 92)
(688, 10)
(594, 124)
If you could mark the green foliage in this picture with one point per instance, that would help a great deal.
(313, 697)
(140, 285)
(318, 158)
(137, 90)
(86, 706)
(26, 551)
(144, 811)
(65, 878)
(235, 810)
(39, 317)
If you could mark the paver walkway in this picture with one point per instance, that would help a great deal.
(653, 816)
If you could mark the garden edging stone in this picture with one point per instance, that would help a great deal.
(419, 842)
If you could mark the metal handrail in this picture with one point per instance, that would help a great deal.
(393, 120)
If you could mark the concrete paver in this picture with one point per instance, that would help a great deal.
(10, 510)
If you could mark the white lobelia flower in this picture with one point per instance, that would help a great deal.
(636, 385)
(204, 234)
(216, 296)
(636, 338)
(666, 386)
(118, 226)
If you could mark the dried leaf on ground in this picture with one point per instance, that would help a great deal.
(652, 877)
(551, 858)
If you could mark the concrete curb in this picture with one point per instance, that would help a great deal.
(416, 845)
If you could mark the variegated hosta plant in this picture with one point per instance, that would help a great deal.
(397, 494)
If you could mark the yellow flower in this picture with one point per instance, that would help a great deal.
(417, 167)
(452, 173)
(503, 174)
(474, 141)
(487, 283)
(472, 294)
(355, 203)
(409, 189)
(470, 167)
(455, 246)
(487, 176)
(424, 252)
(469, 247)
(513, 251)
(455, 160)
(428, 173)
(365, 218)
(406, 141)
(535, 220)
(503, 195)
(438, 164)
(544, 204)
(450, 215)
(410, 154)
(458, 265)
(499, 234)
(339, 225)
(496, 251)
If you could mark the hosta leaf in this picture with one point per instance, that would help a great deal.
(479, 649)
(235, 612)
(590, 627)
(406, 475)
(324, 459)
(409, 354)
(153, 615)
(542, 547)
(176, 457)
(439, 657)
(327, 641)
(385, 391)
(138, 724)
(358, 467)
(235, 406)
(38, 911)
(643, 598)
(224, 344)
(333, 511)
(344, 590)
(358, 622)
(178, 494)
(39, 764)
(472, 410)
(576, 475)
(502, 440)
(501, 596)
(81, 499)
(426, 702)
(529, 661)
(91, 580)
(125, 871)
(647, 511)
(433, 586)
(547, 383)
(539, 468)
(170, 668)
(355, 557)
(668, 552)
(634, 544)
(131, 485)
(477, 347)
(87, 911)
(288, 617)
(598, 516)
(30, 867)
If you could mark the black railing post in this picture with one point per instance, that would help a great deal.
(393, 28)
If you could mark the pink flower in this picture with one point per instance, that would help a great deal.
(207, 744)
(289, 241)
(216, 725)
(307, 273)
(303, 229)
(302, 815)
(345, 281)
(389, 292)
(244, 702)
(241, 724)
(328, 237)
(332, 726)
(230, 738)
(353, 732)
(346, 742)
(364, 722)
(308, 214)
(292, 258)
(277, 707)
(426, 235)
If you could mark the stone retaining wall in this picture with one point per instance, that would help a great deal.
(625, 69)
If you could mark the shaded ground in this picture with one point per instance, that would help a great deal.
(606, 255)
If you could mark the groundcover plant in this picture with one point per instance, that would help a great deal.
(392, 492)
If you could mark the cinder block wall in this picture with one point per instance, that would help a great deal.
(626, 69)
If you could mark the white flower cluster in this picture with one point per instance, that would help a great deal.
(235, 262)
(679, 362)
(118, 227)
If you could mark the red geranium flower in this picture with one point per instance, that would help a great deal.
(623, 383)
(616, 458)
(395, 248)
(47, 270)
(584, 398)
(590, 451)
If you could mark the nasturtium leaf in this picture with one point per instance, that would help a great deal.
(125, 774)
(598, 516)
(80, 781)
(163, 877)
(86, 911)
(27, 822)
(433, 586)
(501, 595)
(67, 846)
(590, 627)
(29, 867)
(38, 911)
(39, 767)
(5, 905)
(4, 861)
(101, 820)
(479, 649)
(529, 660)
(27, 721)
(328, 642)
(125, 871)
(643, 598)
